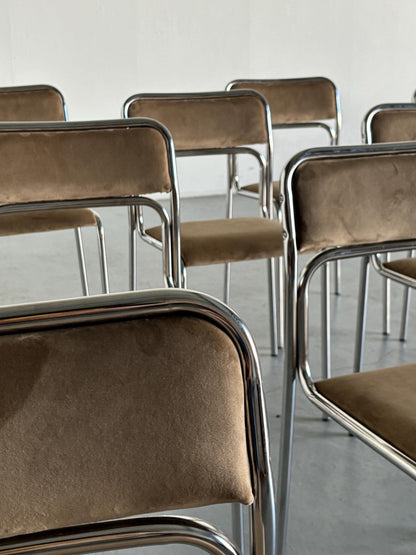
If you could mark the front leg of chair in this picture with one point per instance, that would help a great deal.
(273, 305)
(405, 314)
(81, 261)
(386, 301)
(325, 322)
(132, 248)
(337, 278)
(281, 300)
(361, 314)
(103, 255)
(227, 283)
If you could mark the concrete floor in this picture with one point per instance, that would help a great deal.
(345, 499)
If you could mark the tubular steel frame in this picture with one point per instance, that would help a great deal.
(167, 529)
(296, 360)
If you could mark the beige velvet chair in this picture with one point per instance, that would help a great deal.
(299, 103)
(59, 165)
(46, 103)
(387, 123)
(220, 123)
(122, 405)
(337, 204)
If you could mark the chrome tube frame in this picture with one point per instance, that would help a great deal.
(172, 258)
(107, 308)
(292, 357)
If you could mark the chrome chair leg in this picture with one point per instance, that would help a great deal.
(281, 300)
(361, 314)
(238, 525)
(273, 305)
(103, 255)
(227, 283)
(405, 314)
(337, 278)
(325, 322)
(386, 301)
(132, 248)
(81, 261)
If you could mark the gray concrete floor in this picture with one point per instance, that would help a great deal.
(345, 499)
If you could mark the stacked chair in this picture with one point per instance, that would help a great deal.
(383, 124)
(298, 103)
(330, 209)
(46, 103)
(219, 123)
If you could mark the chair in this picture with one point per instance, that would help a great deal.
(311, 102)
(219, 123)
(59, 165)
(124, 405)
(383, 124)
(45, 103)
(337, 204)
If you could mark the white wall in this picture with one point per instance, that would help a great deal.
(98, 52)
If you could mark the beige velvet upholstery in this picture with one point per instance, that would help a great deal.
(206, 121)
(344, 201)
(404, 266)
(81, 164)
(392, 125)
(114, 419)
(31, 103)
(254, 188)
(230, 240)
(381, 400)
(295, 100)
(52, 220)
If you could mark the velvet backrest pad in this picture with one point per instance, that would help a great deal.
(31, 104)
(388, 126)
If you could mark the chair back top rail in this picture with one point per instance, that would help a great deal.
(350, 195)
(296, 100)
(102, 408)
(32, 103)
(388, 123)
(48, 161)
(206, 120)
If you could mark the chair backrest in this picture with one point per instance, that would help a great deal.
(32, 103)
(388, 123)
(351, 195)
(129, 404)
(298, 100)
(53, 165)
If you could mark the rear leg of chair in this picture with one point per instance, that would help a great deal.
(361, 314)
(281, 300)
(386, 301)
(273, 305)
(325, 322)
(132, 248)
(81, 261)
(337, 278)
(103, 255)
(405, 314)
(227, 283)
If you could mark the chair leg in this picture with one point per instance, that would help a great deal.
(238, 525)
(132, 248)
(325, 322)
(405, 314)
(281, 300)
(227, 283)
(81, 261)
(103, 255)
(337, 278)
(273, 305)
(361, 314)
(386, 301)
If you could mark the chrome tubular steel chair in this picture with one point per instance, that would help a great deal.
(310, 102)
(335, 197)
(56, 165)
(223, 123)
(387, 123)
(46, 103)
(121, 405)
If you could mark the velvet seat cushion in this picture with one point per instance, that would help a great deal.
(405, 266)
(36, 222)
(116, 419)
(254, 188)
(382, 400)
(229, 240)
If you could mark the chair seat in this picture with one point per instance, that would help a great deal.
(54, 220)
(254, 188)
(382, 400)
(229, 240)
(404, 266)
